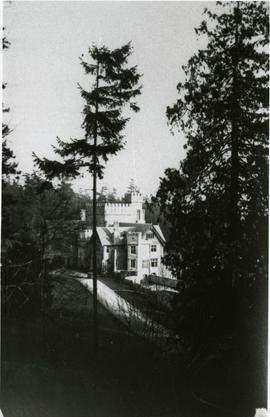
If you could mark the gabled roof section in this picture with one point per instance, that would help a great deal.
(136, 227)
(105, 236)
(145, 227)
(158, 232)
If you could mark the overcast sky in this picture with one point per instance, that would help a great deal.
(42, 70)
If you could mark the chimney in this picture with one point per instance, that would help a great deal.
(83, 215)
(116, 231)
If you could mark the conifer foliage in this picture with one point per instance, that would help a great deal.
(218, 198)
(132, 187)
(217, 201)
(115, 85)
(8, 164)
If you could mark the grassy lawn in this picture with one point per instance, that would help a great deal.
(49, 368)
(147, 301)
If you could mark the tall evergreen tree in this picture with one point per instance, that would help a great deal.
(217, 201)
(222, 182)
(132, 187)
(8, 164)
(115, 85)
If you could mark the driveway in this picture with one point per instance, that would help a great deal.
(136, 322)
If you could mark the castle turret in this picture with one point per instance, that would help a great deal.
(134, 197)
(136, 201)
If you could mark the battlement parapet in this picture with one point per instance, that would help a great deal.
(98, 205)
(117, 205)
(124, 212)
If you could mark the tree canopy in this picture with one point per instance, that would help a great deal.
(9, 165)
(217, 201)
(132, 187)
(115, 84)
(218, 198)
(39, 221)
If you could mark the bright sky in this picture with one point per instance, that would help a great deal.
(42, 70)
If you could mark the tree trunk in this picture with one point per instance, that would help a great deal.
(234, 212)
(95, 315)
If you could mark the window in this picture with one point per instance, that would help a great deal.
(108, 249)
(132, 237)
(133, 249)
(154, 262)
(132, 263)
(145, 263)
(153, 248)
(149, 235)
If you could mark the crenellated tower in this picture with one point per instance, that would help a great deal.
(131, 211)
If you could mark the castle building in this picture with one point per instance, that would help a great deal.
(107, 213)
(136, 248)
(125, 242)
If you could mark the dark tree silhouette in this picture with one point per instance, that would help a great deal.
(217, 202)
(8, 164)
(222, 182)
(115, 85)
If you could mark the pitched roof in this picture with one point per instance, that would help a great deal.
(136, 227)
(106, 234)
(158, 230)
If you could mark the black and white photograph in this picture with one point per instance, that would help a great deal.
(134, 217)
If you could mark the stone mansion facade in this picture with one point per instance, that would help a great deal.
(125, 242)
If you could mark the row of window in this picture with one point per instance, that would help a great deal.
(145, 263)
(133, 249)
(153, 263)
(148, 235)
